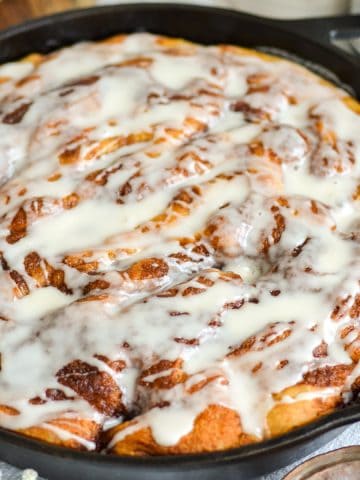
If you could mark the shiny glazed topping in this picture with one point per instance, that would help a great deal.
(179, 235)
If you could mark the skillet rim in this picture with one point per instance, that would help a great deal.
(335, 420)
(293, 28)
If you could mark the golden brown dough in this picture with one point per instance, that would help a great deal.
(217, 428)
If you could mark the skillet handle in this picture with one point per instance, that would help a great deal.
(327, 29)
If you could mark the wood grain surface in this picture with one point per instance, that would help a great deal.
(16, 11)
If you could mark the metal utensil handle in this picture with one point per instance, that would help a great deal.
(325, 30)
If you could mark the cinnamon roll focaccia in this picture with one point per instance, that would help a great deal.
(179, 246)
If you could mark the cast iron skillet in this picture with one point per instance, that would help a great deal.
(309, 40)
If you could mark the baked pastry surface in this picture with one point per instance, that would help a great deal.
(179, 246)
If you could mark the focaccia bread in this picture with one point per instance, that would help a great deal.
(179, 246)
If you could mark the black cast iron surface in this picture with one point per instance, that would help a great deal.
(308, 41)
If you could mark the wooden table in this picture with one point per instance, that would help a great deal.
(16, 11)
